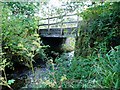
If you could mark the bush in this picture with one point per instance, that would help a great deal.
(99, 30)
(20, 41)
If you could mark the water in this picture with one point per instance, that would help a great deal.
(41, 74)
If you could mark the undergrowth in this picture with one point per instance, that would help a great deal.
(96, 71)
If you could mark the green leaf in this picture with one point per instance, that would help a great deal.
(11, 81)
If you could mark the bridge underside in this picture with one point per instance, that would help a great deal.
(54, 43)
(59, 44)
(58, 32)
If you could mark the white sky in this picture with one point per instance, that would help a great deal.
(55, 3)
(52, 4)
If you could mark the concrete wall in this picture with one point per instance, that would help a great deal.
(69, 44)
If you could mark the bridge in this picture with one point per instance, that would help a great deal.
(59, 34)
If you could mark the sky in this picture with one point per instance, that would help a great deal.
(55, 3)
(52, 4)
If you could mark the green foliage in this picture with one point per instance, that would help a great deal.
(3, 79)
(95, 71)
(100, 29)
(20, 41)
(19, 30)
(20, 8)
(97, 64)
(98, 36)
(11, 81)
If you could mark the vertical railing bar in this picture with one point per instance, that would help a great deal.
(48, 22)
(48, 25)
(61, 25)
(77, 25)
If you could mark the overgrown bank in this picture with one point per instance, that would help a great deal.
(99, 30)
(20, 41)
(99, 43)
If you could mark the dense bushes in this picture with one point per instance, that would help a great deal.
(20, 41)
(100, 29)
(97, 63)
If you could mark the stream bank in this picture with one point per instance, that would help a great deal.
(26, 79)
(41, 75)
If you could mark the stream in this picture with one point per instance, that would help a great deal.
(26, 79)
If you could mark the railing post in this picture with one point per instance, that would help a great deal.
(48, 25)
(61, 27)
(77, 25)
(48, 22)
(61, 23)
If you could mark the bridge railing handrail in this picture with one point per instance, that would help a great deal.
(58, 23)
(59, 16)
(61, 22)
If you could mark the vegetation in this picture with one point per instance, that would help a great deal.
(20, 41)
(80, 72)
(100, 29)
(96, 63)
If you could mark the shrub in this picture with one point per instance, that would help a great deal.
(20, 41)
(100, 29)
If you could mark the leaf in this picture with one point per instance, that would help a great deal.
(117, 84)
(11, 81)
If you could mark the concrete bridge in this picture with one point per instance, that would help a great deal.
(59, 39)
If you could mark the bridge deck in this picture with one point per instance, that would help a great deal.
(58, 32)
